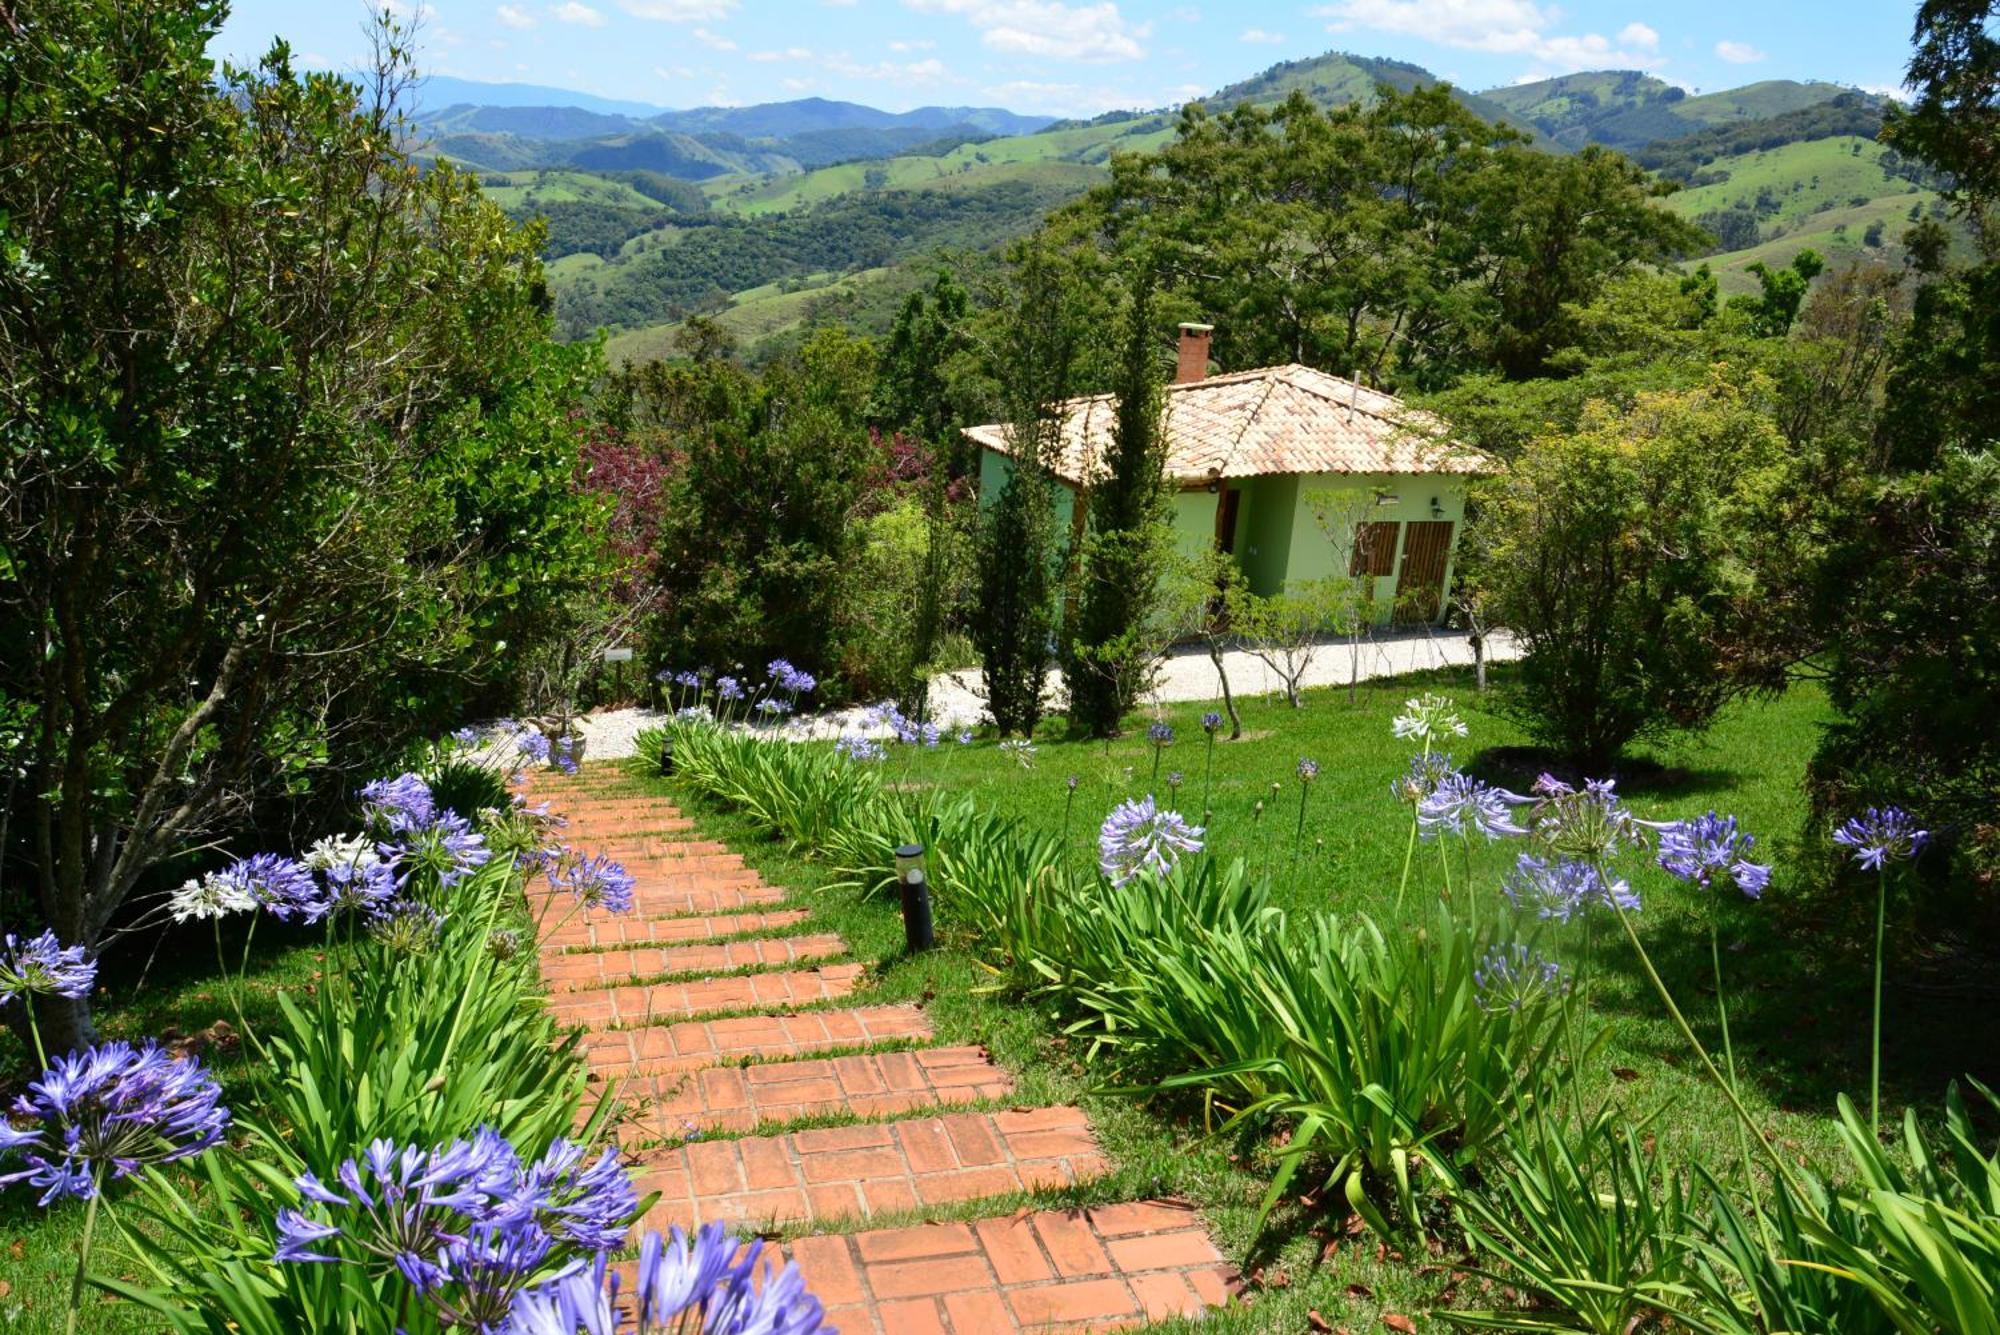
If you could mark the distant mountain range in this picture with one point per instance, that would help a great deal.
(504, 127)
(782, 216)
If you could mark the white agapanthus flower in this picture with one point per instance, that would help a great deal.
(210, 896)
(1427, 718)
(337, 851)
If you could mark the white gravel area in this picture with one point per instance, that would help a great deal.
(957, 699)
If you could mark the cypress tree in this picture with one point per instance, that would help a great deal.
(1125, 547)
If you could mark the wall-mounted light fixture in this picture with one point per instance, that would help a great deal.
(1437, 508)
(1213, 486)
(1387, 498)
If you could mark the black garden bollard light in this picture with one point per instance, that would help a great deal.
(666, 755)
(916, 898)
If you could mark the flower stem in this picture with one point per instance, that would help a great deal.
(1701, 1053)
(1299, 835)
(1208, 776)
(83, 1252)
(1875, 1060)
(1729, 1063)
(35, 1032)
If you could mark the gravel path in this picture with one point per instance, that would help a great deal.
(957, 699)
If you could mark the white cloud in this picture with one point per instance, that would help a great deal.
(1080, 99)
(888, 71)
(1501, 27)
(1262, 38)
(575, 11)
(1096, 34)
(678, 11)
(1738, 53)
(919, 45)
(672, 72)
(714, 41)
(789, 53)
(795, 85)
(513, 16)
(1639, 37)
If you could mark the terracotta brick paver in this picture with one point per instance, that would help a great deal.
(599, 931)
(610, 968)
(621, 1007)
(719, 1013)
(1103, 1268)
(864, 1084)
(689, 1044)
(851, 1172)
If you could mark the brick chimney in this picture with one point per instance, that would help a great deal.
(1193, 364)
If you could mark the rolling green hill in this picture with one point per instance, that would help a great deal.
(1765, 194)
(771, 244)
(1627, 109)
(1840, 235)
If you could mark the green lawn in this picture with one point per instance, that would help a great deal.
(1798, 997)
(176, 999)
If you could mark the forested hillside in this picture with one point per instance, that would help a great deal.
(789, 215)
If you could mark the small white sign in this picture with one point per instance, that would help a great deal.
(617, 655)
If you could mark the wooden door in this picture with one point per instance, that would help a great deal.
(1226, 507)
(1420, 585)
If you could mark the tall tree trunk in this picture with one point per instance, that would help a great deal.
(1228, 699)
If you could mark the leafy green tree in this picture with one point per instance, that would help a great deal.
(757, 525)
(1127, 543)
(285, 453)
(1783, 291)
(1622, 556)
(1038, 356)
(918, 395)
(1403, 238)
(1910, 582)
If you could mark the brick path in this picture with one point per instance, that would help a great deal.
(732, 1027)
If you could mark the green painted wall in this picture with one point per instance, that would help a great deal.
(1264, 530)
(1369, 498)
(994, 470)
(1194, 522)
(1279, 536)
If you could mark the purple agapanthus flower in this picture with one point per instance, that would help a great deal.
(281, 886)
(447, 848)
(1699, 851)
(713, 1282)
(109, 1111)
(358, 887)
(965, 737)
(1139, 837)
(467, 1226)
(1514, 978)
(1308, 770)
(688, 680)
(44, 966)
(401, 803)
(773, 707)
(1460, 804)
(1882, 835)
(1160, 733)
(857, 747)
(1588, 824)
(1211, 722)
(563, 753)
(466, 737)
(596, 881)
(929, 734)
(728, 688)
(1561, 890)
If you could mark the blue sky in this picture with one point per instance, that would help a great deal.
(1079, 57)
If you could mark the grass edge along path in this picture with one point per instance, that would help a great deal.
(935, 1202)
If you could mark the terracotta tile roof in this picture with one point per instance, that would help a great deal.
(1280, 419)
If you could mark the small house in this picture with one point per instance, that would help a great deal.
(1299, 475)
